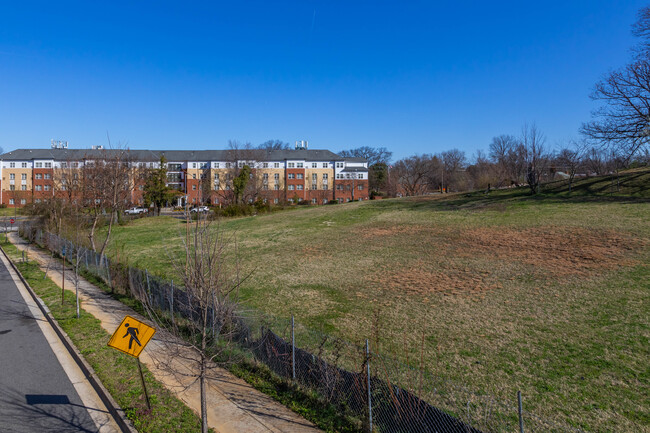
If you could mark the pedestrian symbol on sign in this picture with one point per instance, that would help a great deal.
(133, 332)
(131, 336)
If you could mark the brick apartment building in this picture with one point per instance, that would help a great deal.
(198, 176)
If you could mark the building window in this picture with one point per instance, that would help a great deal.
(313, 200)
(23, 201)
(240, 164)
(314, 177)
(291, 165)
(215, 165)
(360, 187)
(291, 176)
(11, 201)
(339, 165)
(325, 165)
(38, 200)
(12, 165)
(38, 187)
(194, 176)
(265, 165)
(47, 176)
(75, 165)
(291, 187)
(275, 200)
(194, 165)
(38, 176)
(276, 176)
(299, 176)
(314, 186)
(276, 165)
(299, 165)
(324, 201)
(23, 187)
(38, 164)
(23, 165)
(300, 187)
(12, 187)
(339, 187)
(324, 187)
(276, 187)
(48, 165)
(12, 176)
(265, 187)
(193, 187)
(314, 165)
(360, 176)
(325, 177)
(23, 176)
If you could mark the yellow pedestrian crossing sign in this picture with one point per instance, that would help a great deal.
(131, 336)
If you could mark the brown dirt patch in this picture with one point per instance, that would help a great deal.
(547, 251)
(418, 280)
(558, 251)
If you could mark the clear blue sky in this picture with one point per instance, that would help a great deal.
(415, 77)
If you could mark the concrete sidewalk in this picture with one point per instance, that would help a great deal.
(233, 405)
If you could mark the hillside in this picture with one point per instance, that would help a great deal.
(502, 291)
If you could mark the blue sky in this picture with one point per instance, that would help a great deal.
(415, 77)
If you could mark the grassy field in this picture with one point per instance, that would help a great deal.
(547, 294)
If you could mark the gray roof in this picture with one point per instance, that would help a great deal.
(355, 159)
(177, 155)
(354, 170)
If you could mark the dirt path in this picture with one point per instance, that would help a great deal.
(233, 405)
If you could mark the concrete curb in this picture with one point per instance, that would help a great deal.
(114, 409)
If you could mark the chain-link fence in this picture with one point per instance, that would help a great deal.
(382, 393)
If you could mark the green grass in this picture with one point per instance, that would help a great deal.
(117, 371)
(548, 294)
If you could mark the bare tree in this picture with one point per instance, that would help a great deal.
(623, 121)
(374, 155)
(454, 163)
(534, 147)
(413, 174)
(570, 158)
(114, 178)
(506, 154)
(210, 272)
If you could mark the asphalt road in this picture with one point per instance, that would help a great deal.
(36, 394)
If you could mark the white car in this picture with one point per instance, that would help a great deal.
(136, 211)
(200, 209)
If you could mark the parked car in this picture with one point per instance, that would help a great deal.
(200, 209)
(136, 211)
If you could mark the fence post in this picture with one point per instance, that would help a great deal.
(108, 273)
(171, 302)
(369, 396)
(521, 417)
(293, 350)
(148, 287)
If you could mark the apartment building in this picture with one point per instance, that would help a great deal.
(198, 176)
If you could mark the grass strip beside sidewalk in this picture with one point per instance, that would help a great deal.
(117, 371)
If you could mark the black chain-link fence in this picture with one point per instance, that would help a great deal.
(384, 394)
